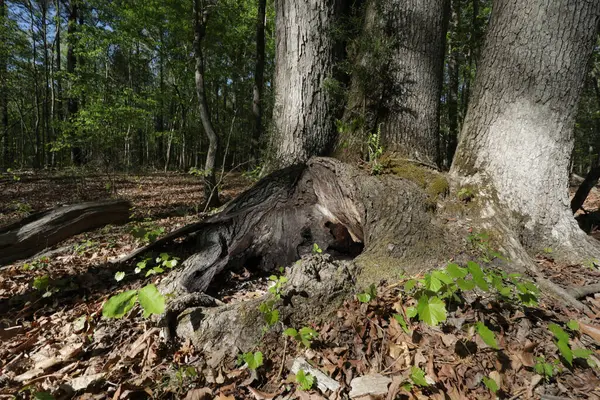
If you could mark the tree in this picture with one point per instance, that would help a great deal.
(4, 129)
(397, 77)
(211, 193)
(518, 134)
(259, 71)
(306, 53)
(73, 102)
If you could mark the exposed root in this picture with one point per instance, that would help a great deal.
(581, 292)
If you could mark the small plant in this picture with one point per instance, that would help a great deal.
(147, 232)
(305, 335)
(150, 299)
(375, 151)
(13, 175)
(22, 208)
(564, 348)
(42, 283)
(252, 360)
(544, 368)
(200, 173)
(481, 243)
(417, 377)
(486, 335)
(305, 380)
(402, 321)
(83, 247)
(162, 262)
(465, 195)
(316, 249)
(38, 263)
(277, 283)
(267, 308)
(253, 174)
(367, 295)
(185, 373)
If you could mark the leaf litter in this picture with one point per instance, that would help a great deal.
(60, 344)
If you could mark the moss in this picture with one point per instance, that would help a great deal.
(439, 187)
(434, 183)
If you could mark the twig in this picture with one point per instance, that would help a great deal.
(282, 358)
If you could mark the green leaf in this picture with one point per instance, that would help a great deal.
(119, 276)
(119, 305)
(487, 335)
(151, 300)
(417, 376)
(481, 283)
(316, 249)
(465, 284)
(559, 333)
(478, 276)
(411, 312)
(402, 322)
(363, 297)
(582, 353)
(573, 325)
(443, 277)
(490, 384)
(41, 282)
(432, 310)
(305, 380)
(432, 283)
(565, 351)
(271, 317)
(409, 285)
(254, 360)
(290, 332)
(43, 396)
(455, 271)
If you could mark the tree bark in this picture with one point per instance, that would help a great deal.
(518, 134)
(259, 70)
(72, 102)
(305, 56)
(4, 129)
(453, 66)
(400, 97)
(211, 193)
(39, 231)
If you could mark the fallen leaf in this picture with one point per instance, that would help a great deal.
(590, 330)
(258, 395)
(199, 394)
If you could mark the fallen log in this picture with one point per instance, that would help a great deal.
(41, 230)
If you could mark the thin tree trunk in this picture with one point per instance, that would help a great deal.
(211, 194)
(259, 69)
(72, 102)
(4, 128)
(518, 134)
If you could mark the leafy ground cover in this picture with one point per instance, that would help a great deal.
(495, 339)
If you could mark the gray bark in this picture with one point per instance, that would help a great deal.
(518, 134)
(401, 98)
(304, 117)
(211, 193)
(42, 230)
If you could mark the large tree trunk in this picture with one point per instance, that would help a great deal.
(518, 134)
(211, 193)
(306, 52)
(452, 99)
(257, 98)
(400, 97)
(39, 231)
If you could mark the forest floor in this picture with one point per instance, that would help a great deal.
(56, 341)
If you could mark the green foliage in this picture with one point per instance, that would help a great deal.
(119, 276)
(573, 325)
(491, 384)
(465, 194)
(440, 286)
(316, 249)
(158, 265)
(253, 174)
(486, 335)
(544, 368)
(83, 247)
(417, 376)
(305, 335)
(482, 244)
(270, 314)
(38, 263)
(305, 380)
(252, 360)
(375, 151)
(150, 299)
(402, 321)
(276, 286)
(367, 295)
(564, 348)
(147, 231)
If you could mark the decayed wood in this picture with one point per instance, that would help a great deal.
(39, 231)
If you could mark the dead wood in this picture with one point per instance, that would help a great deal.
(39, 231)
